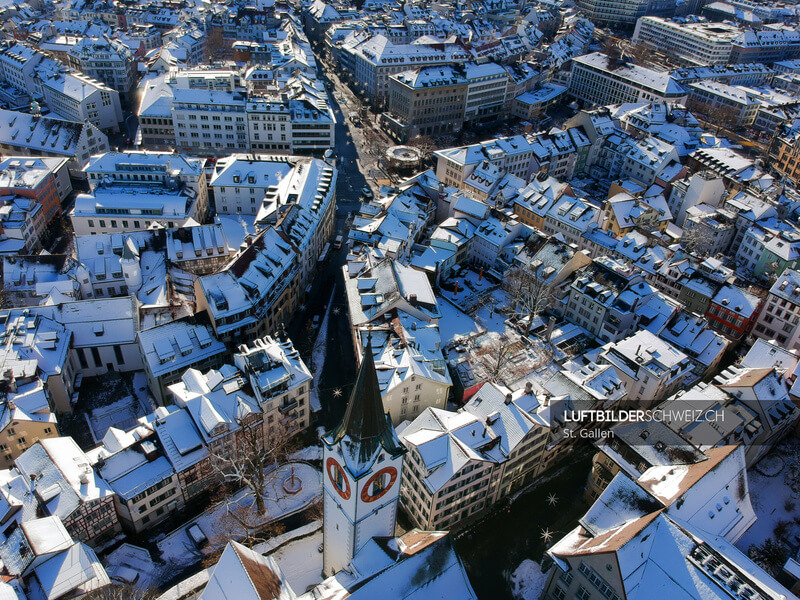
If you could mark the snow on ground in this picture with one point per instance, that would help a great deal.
(468, 286)
(308, 453)
(194, 583)
(318, 356)
(178, 549)
(122, 414)
(140, 390)
(527, 582)
(301, 561)
(771, 494)
(491, 320)
(128, 563)
(455, 323)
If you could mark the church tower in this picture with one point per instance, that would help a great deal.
(363, 462)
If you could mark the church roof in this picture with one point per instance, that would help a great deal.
(365, 427)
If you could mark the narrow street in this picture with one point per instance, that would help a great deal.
(516, 531)
(339, 369)
(513, 531)
(358, 148)
(355, 165)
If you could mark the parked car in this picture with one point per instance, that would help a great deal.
(196, 535)
(366, 191)
(316, 321)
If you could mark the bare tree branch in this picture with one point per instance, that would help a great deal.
(253, 459)
(493, 359)
(529, 293)
(216, 47)
(121, 592)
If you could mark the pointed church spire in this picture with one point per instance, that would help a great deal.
(366, 426)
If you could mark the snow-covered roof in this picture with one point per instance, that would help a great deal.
(644, 350)
(246, 171)
(63, 476)
(48, 135)
(386, 286)
(176, 205)
(174, 346)
(214, 399)
(129, 472)
(28, 403)
(669, 558)
(737, 300)
(180, 439)
(641, 77)
(76, 569)
(431, 77)
(27, 172)
(271, 366)
(251, 276)
(765, 353)
(33, 344)
(98, 322)
(136, 161)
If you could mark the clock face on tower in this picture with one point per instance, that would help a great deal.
(377, 485)
(338, 478)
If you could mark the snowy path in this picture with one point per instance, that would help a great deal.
(318, 355)
(454, 322)
(772, 498)
(178, 549)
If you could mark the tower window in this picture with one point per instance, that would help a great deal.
(380, 484)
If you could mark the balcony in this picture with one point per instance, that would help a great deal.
(288, 419)
(287, 406)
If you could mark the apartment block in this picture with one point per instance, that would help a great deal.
(108, 60)
(601, 80)
(651, 368)
(443, 491)
(695, 41)
(428, 101)
(780, 316)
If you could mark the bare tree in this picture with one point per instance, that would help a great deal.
(240, 522)
(641, 53)
(121, 592)
(216, 48)
(314, 512)
(492, 359)
(721, 117)
(770, 555)
(424, 143)
(255, 460)
(529, 293)
(612, 50)
(694, 241)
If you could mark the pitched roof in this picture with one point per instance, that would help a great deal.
(265, 582)
(244, 574)
(365, 427)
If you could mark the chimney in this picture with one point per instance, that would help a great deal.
(528, 388)
(413, 299)
(508, 399)
(8, 376)
(551, 324)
